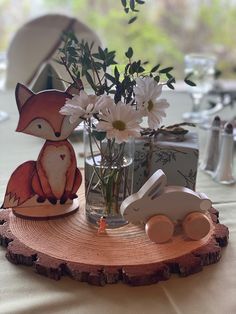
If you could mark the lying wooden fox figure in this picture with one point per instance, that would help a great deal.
(54, 175)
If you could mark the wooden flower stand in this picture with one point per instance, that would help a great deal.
(71, 246)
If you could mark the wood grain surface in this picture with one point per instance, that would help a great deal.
(46, 211)
(71, 246)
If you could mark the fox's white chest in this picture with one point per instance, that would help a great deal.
(56, 162)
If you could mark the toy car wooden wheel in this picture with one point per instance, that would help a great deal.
(196, 225)
(159, 228)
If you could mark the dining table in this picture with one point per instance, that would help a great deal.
(210, 291)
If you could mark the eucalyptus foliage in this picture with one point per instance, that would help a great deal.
(102, 72)
(131, 6)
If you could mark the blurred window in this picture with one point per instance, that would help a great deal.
(164, 31)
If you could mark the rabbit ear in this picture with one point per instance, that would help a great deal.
(155, 185)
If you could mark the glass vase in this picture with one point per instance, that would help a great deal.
(108, 176)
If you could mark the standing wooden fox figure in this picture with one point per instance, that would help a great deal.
(53, 178)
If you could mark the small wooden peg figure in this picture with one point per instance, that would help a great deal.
(102, 224)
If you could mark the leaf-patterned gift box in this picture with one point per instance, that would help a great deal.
(178, 159)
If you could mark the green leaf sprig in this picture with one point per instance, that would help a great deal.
(102, 72)
(130, 6)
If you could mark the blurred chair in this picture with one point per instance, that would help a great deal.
(34, 47)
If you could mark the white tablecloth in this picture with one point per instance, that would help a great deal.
(211, 291)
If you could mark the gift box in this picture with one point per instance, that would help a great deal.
(178, 159)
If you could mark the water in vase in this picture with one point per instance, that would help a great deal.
(106, 186)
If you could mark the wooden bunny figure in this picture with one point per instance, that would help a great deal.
(161, 207)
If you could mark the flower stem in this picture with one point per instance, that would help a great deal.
(92, 155)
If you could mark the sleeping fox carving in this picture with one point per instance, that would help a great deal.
(53, 178)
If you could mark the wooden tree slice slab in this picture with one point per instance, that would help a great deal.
(71, 246)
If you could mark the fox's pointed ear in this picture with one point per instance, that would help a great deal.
(22, 95)
(72, 90)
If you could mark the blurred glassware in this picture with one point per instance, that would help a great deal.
(3, 67)
(211, 155)
(223, 104)
(207, 125)
(224, 171)
(202, 70)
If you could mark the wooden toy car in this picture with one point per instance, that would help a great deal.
(161, 207)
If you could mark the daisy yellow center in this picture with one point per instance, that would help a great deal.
(150, 105)
(118, 125)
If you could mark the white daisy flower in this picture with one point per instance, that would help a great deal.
(81, 105)
(146, 92)
(120, 122)
(103, 102)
